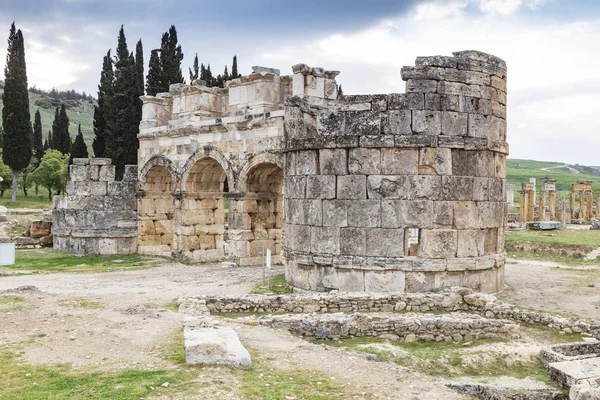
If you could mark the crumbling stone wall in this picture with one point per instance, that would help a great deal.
(400, 192)
(98, 215)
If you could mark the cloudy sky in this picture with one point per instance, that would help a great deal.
(551, 48)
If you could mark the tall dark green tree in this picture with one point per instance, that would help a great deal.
(105, 93)
(234, 69)
(154, 82)
(38, 144)
(46, 144)
(139, 66)
(16, 120)
(125, 115)
(194, 72)
(170, 58)
(61, 139)
(1, 137)
(79, 148)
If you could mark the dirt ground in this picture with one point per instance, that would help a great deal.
(116, 320)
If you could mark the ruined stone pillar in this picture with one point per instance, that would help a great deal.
(523, 205)
(572, 204)
(542, 206)
(561, 211)
(589, 205)
(239, 227)
(552, 201)
(530, 205)
(582, 205)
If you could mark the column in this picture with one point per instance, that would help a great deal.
(552, 200)
(590, 201)
(582, 212)
(523, 205)
(542, 206)
(572, 204)
(530, 205)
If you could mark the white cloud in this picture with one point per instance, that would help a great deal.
(553, 82)
(499, 6)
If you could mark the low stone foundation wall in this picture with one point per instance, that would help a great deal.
(450, 300)
(409, 326)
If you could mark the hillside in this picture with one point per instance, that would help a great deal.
(79, 112)
(519, 171)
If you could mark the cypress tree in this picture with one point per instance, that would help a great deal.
(79, 148)
(49, 141)
(16, 120)
(208, 76)
(38, 145)
(139, 67)
(154, 83)
(340, 92)
(194, 72)
(234, 69)
(105, 92)
(60, 134)
(1, 137)
(171, 57)
(46, 144)
(226, 76)
(123, 122)
(202, 72)
(55, 129)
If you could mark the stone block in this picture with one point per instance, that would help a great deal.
(435, 161)
(107, 246)
(454, 123)
(306, 162)
(406, 213)
(81, 161)
(426, 122)
(396, 122)
(466, 215)
(412, 141)
(93, 172)
(424, 187)
(98, 188)
(325, 240)
(359, 123)
(457, 188)
(106, 173)
(491, 214)
(333, 161)
(449, 102)
(470, 243)
(457, 88)
(481, 189)
(78, 173)
(352, 187)
(320, 186)
(298, 237)
(377, 141)
(406, 101)
(433, 101)
(38, 228)
(329, 123)
(364, 161)
(100, 161)
(384, 281)
(215, 345)
(353, 241)
(335, 213)
(385, 242)
(396, 161)
(443, 214)
(388, 187)
(416, 282)
(421, 86)
(364, 213)
(475, 105)
(544, 225)
(295, 187)
(490, 241)
(350, 280)
(439, 243)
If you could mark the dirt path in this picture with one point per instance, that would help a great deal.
(549, 286)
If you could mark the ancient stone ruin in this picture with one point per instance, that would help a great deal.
(399, 192)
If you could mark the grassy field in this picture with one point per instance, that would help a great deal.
(48, 260)
(519, 171)
(31, 201)
(83, 114)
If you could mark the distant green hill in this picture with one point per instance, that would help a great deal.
(79, 112)
(519, 171)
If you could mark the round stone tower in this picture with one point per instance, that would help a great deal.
(400, 192)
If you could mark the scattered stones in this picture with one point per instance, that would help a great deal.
(544, 225)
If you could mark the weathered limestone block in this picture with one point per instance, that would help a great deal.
(435, 161)
(426, 122)
(397, 161)
(333, 161)
(364, 161)
(364, 213)
(335, 213)
(454, 123)
(352, 187)
(438, 243)
(353, 241)
(215, 346)
(406, 213)
(384, 242)
(396, 122)
(320, 186)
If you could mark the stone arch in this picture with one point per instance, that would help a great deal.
(162, 161)
(262, 183)
(156, 209)
(261, 158)
(212, 153)
(203, 208)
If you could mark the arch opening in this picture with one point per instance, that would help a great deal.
(155, 211)
(203, 213)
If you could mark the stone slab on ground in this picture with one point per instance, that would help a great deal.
(588, 389)
(214, 345)
(544, 225)
(505, 388)
(595, 225)
(568, 373)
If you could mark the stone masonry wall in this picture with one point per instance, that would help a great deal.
(98, 215)
(400, 192)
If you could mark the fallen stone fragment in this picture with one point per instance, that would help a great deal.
(215, 346)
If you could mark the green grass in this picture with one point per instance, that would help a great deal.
(587, 238)
(447, 359)
(48, 260)
(11, 303)
(79, 302)
(171, 305)
(40, 201)
(278, 286)
(20, 381)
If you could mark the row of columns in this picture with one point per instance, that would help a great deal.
(527, 201)
(586, 200)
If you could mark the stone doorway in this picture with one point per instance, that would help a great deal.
(156, 212)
